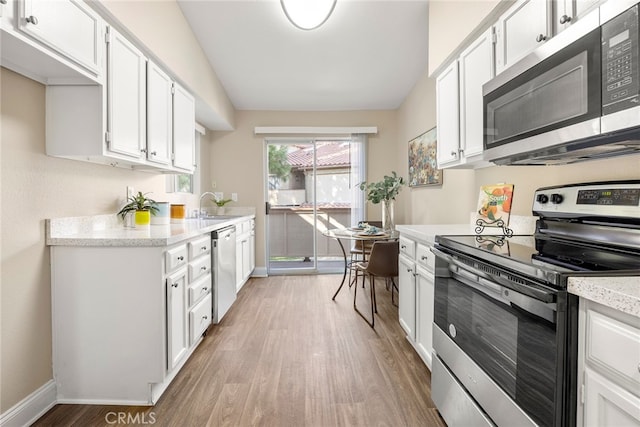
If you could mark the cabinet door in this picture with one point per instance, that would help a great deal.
(520, 30)
(252, 251)
(184, 122)
(607, 404)
(246, 258)
(584, 6)
(407, 296)
(239, 268)
(126, 97)
(67, 26)
(476, 68)
(448, 120)
(159, 115)
(424, 313)
(176, 318)
(563, 15)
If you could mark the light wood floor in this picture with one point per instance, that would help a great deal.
(286, 355)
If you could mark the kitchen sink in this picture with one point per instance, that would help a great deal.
(215, 217)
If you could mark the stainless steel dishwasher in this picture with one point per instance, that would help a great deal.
(223, 255)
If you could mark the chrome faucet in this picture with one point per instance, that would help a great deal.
(206, 193)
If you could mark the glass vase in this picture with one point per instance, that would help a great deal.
(388, 223)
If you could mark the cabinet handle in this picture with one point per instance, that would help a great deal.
(175, 285)
(205, 317)
(409, 270)
(205, 289)
(454, 154)
(143, 150)
(154, 153)
(541, 38)
(564, 19)
(203, 268)
(403, 247)
(204, 248)
(30, 19)
(423, 257)
(3, 1)
(180, 258)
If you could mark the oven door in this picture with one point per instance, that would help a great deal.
(506, 348)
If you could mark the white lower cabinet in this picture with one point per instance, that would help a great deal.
(126, 319)
(407, 296)
(608, 380)
(245, 252)
(176, 320)
(424, 313)
(416, 293)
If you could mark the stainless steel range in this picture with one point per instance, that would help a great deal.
(505, 327)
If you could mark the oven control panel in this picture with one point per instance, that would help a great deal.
(615, 199)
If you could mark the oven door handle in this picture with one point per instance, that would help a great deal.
(539, 294)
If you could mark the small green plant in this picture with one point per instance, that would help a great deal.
(387, 189)
(139, 202)
(220, 202)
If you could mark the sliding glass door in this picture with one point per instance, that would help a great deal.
(311, 185)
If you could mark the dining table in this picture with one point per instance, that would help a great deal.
(353, 234)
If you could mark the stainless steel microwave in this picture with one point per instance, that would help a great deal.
(575, 98)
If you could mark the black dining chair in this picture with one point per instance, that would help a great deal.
(382, 262)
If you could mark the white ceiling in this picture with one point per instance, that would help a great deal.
(368, 55)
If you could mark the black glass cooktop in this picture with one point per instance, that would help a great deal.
(545, 252)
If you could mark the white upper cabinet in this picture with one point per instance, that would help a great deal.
(159, 115)
(448, 116)
(567, 12)
(53, 42)
(520, 30)
(67, 26)
(184, 120)
(459, 105)
(476, 68)
(126, 97)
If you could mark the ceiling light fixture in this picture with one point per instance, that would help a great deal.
(308, 14)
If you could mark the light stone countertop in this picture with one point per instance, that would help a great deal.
(427, 233)
(620, 293)
(106, 230)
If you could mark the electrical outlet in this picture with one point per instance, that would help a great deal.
(234, 197)
(130, 191)
(219, 195)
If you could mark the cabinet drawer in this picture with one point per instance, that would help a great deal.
(199, 268)
(605, 333)
(199, 247)
(425, 257)
(199, 289)
(200, 318)
(176, 257)
(407, 247)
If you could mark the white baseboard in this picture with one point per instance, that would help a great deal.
(259, 272)
(29, 409)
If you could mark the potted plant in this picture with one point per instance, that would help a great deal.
(220, 202)
(384, 192)
(143, 207)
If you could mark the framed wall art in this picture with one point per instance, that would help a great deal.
(422, 160)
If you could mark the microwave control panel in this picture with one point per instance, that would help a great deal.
(620, 62)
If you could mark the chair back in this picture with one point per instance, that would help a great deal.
(383, 260)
